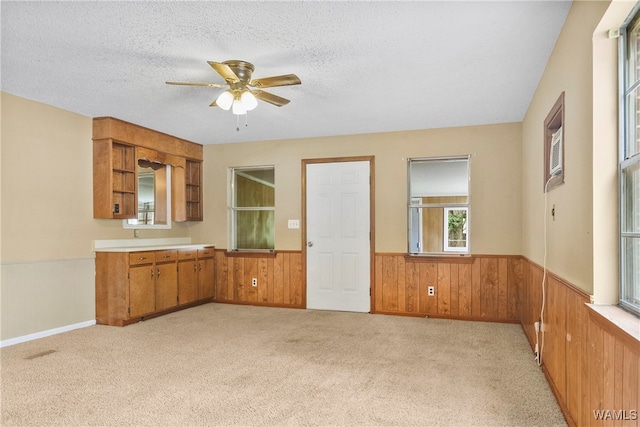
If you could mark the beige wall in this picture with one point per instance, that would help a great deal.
(47, 193)
(570, 236)
(47, 219)
(495, 181)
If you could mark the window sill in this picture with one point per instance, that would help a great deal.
(457, 259)
(618, 322)
(250, 254)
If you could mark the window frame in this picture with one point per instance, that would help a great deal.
(424, 206)
(233, 209)
(629, 109)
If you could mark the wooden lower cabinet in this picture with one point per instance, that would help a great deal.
(196, 274)
(166, 285)
(133, 285)
(187, 276)
(141, 291)
(206, 273)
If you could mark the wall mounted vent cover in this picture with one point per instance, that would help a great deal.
(555, 158)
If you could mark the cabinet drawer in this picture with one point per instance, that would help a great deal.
(166, 256)
(137, 258)
(187, 254)
(205, 252)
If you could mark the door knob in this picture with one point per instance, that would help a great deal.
(309, 243)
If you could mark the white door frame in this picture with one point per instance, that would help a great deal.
(371, 160)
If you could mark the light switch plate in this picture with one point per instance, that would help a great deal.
(294, 223)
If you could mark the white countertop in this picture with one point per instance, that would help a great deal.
(137, 245)
(154, 248)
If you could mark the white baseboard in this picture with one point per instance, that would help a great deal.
(47, 333)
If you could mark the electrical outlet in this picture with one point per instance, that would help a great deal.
(431, 291)
(254, 282)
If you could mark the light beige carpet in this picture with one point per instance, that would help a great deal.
(239, 365)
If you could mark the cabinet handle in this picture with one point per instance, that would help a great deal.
(152, 272)
(199, 267)
(158, 272)
(166, 256)
(142, 258)
(195, 267)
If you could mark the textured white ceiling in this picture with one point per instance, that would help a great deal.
(365, 66)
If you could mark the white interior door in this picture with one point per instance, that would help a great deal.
(338, 236)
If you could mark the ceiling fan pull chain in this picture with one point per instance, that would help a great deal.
(237, 123)
(246, 120)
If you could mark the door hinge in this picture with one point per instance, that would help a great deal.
(369, 291)
(128, 275)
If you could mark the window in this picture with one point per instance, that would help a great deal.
(438, 205)
(629, 170)
(253, 208)
(455, 230)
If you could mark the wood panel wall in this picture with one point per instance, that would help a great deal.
(590, 364)
(280, 280)
(482, 287)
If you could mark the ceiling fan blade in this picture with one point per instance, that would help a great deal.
(195, 84)
(285, 80)
(270, 98)
(225, 71)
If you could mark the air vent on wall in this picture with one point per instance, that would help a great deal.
(555, 158)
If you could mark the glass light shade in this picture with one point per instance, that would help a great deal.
(238, 108)
(249, 101)
(225, 100)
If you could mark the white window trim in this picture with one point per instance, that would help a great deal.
(625, 161)
(411, 205)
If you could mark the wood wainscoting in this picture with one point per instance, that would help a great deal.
(478, 287)
(279, 274)
(590, 364)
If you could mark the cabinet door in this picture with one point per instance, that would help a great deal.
(142, 297)
(166, 286)
(187, 281)
(206, 282)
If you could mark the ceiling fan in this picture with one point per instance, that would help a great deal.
(243, 91)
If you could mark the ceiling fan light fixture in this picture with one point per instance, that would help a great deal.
(238, 107)
(239, 98)
(249, 101)
(225, 100)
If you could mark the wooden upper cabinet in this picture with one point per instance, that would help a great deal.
(114, 180)
(193, 186)
(117, 147)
